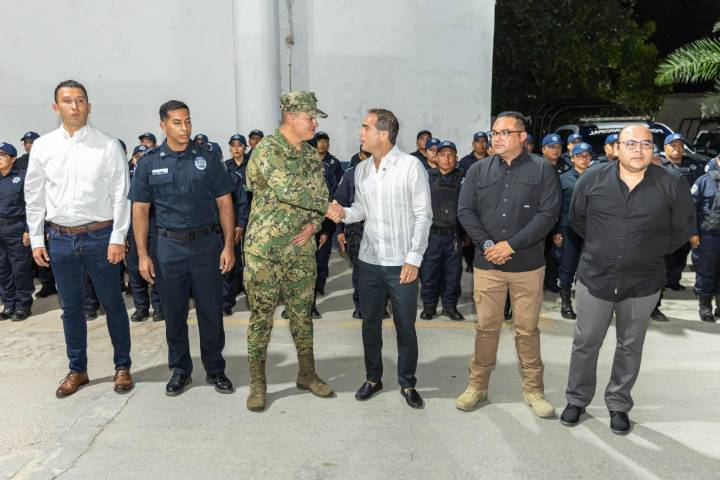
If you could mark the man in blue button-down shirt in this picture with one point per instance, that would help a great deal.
(191, 191)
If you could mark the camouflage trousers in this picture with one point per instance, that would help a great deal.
(266, 283)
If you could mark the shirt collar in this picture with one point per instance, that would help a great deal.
(391, 158)
(166, 151)
(78, 136)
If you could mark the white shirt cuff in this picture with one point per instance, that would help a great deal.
(117, 238)
(37, 242)
(413, 259)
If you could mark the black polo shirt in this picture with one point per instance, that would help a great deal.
(627, 233)
(519, 203)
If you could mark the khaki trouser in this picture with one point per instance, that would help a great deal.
(526, 295)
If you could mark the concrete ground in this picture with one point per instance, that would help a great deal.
(97, 434)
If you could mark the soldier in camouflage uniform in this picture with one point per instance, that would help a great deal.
(289, 202)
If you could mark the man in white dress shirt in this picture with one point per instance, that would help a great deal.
(392, 196)
(77, 181)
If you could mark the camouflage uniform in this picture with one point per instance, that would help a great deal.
(289, 191)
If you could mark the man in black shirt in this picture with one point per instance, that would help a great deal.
(508, 204)
(630, 213)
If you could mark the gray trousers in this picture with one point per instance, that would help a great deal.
(593, 319)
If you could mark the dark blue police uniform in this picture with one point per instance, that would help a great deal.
(184, 188)
(138, 285)
(322, 254)
(690, 169)
(441, 267)
(16, 272)
(572, 242)
(335, 166)
(345, 196)
(233, 280)
(706, 258)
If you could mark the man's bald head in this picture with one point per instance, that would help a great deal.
(636, 131)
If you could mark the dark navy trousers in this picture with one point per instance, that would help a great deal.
(441, 270)
(16, 270)
(570, 257)
(138, 285)
(184, 267)
(706, 260)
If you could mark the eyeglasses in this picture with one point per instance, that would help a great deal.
(504, 134)
(633, 144)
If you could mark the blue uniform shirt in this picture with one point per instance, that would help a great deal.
(328, 226)
(241, 197)
(704, 192)
(567, 187)
(12, 198)
(467, 161)
(334, 164)
(345, 196)
(183, 186)
(689, 168)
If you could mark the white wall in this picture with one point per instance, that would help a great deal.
(427, 60)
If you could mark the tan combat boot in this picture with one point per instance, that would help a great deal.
(540, 406)
(470, 398)
(307, 379)
(258, 387)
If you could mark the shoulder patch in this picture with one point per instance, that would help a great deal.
(694, 189)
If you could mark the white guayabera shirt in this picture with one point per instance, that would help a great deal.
(75, 180)
(394, 202)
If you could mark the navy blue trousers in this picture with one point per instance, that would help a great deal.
(706, 260)
(182, 267)
(570, 257)
(233, 280)
(16, 270)
(441, 270)
(138, 285)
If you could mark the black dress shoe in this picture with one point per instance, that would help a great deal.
(571, 415)
(367, 390)
(452, 314)
(221, 382)
(620, 423)
(20, 315)
(658, 316)
(227, 312)
(139, 315)
(177, 384)
(356, 314)
(412, 397)
(91, 315)
(428, 313)
(158, 316)
(314, 313)
(46, 291)
(675, 286)
(7, 313)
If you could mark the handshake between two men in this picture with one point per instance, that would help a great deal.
(335, 212)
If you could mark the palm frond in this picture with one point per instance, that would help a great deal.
(694, 63)
(716, 28)
(710, 106)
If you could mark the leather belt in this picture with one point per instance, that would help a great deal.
(443, 231)
(188, 236)
(88, 227)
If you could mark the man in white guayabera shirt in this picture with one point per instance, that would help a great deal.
(392, 196)
(77, 181)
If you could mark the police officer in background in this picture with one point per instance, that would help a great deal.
(357, 158)
(551, 150)
(431, 149)
(611, 142)
(321, 142)
(236, 165)
(138, 285)
(202, 139)
(572, 139)
(148, 140)
(21, 163)
(479, 151)
(254, 138)
(190, 188)
(420, 141)
(441, 267)
(16, 273)
(690, 170)
(706, 242)
(566, 237)
(530, 143)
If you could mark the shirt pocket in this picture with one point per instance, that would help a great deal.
(161, 185)
(485, 194)
(199, 183)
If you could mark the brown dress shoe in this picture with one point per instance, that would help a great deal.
(71, 383)
(123, 380)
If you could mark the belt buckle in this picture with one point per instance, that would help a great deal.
(191, 236)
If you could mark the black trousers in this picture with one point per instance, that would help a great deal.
(675, 264)
(375, 282)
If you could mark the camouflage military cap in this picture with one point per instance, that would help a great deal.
(300, 101)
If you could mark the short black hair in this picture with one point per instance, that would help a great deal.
(70, 84)
(423, 132)
(169, 106)
(521, 121)
(386, 122)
